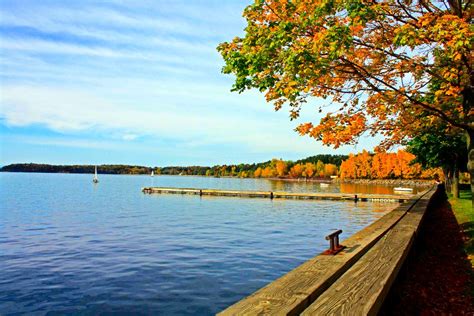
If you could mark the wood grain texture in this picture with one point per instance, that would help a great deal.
(296, 290)
(362, 288)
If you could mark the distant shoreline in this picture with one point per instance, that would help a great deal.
(405, 182)
(388, 182)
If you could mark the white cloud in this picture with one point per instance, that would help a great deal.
(99, 22)
(71, 111)
(50, 47)
(68, 142)
(130, 136)
(130, 72)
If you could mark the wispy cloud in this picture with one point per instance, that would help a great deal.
(69, 111)
(138, 73)
(52, 47)
(68, 142)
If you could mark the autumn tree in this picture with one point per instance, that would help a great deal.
(268, 172)
(309, 170)
(348, 168)
(377, 167)
(320, 168)
(380, 166)
(330, 170)
(258, 172)
(363, 163)
(233, 171)
(373, 59)
(281, 168)
(296, 171)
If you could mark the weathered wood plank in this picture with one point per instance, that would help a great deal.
(293, 292)
(362, 289)
(296, 290)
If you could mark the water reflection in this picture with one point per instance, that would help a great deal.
(365, 189)
(372, 189)
(348, 188)
(69, 247)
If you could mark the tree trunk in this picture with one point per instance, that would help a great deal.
(470, 160)
(447, 179)
(455, 183)
(445, 174)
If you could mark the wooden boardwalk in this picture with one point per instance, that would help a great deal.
(282, 195)
(355, 281)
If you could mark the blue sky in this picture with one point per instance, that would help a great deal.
(134, 82)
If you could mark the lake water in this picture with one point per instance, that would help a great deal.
(68, 246)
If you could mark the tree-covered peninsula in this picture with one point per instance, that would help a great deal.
(238, 170)
(365, 165)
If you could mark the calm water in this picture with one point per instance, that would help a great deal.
(68, 246)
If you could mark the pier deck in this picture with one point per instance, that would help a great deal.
(282, 195)
(355, 281)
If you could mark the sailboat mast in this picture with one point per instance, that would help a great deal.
(95, 179)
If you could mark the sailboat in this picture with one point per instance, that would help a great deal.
(95, 179)
(152, 174)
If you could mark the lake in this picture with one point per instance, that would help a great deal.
(68, 246)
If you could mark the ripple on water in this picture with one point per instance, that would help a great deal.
(108, 248)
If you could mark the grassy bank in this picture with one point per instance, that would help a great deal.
(464, 213)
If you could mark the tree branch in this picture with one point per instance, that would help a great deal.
(435, 111)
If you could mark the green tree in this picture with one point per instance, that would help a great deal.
(434, 148)
(320, 168)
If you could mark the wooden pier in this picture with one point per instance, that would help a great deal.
(355, 281)
(283, 195)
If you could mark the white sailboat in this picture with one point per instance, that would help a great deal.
(152, 174)
(95, 179)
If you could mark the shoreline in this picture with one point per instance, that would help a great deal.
(407, 182)
(388, 182)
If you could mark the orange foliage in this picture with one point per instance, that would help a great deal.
(330, 170)
(348, 168)
(296, 171)
(268, 172)
(363, 165)
(380, 166)
(433, 173)
(309, 170)
(281, 168)
(386, 51)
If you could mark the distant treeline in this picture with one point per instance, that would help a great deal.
(109, 169)
(240, 170)
(365, 165)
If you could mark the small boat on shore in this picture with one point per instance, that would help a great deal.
(401, 189)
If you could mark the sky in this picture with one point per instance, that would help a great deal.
(135, 82)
